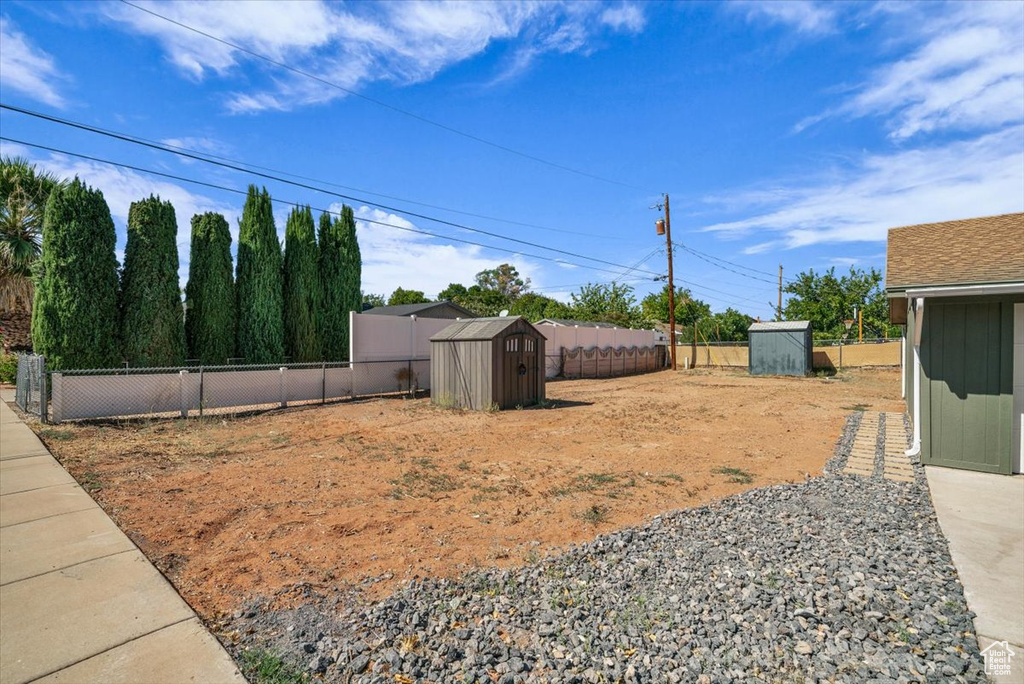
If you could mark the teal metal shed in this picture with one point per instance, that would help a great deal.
(780, 348)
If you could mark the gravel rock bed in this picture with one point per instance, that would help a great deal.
(840, 578)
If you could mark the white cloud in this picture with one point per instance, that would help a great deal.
(861, 202)
(965, 72)
(626, 17)
(351, 45)
(805, 16)
(121, 187)
(393, 257)
(196, 144)
(27, 68)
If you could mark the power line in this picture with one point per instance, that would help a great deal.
(350, 187)
(381, 103)
(236, 191)
(638, 264)
(726, 268)
(700, 254)
(234, 167)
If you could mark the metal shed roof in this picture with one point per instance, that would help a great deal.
(780, 326)
(478, 328)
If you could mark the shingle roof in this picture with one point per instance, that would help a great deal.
(416, 309)
(967, 252)
(570, 323)
(779, 326)
(477, 328)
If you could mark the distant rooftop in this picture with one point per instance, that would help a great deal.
(422, 310)
(569, 323)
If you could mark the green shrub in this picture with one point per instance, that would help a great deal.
(74, 314)
(210, 292)
(152, 319)
(8, 368)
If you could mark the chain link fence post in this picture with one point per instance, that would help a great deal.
(44, 395)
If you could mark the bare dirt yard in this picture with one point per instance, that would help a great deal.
(369, 494)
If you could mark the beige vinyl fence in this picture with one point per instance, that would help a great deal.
(609, 362)
(569, 338)
(825, 357)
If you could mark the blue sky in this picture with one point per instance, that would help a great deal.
(791, 133)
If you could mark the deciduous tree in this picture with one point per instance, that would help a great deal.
(402, 296)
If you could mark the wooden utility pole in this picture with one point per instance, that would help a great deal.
(778, 315)
(860, 325)
(671, 288)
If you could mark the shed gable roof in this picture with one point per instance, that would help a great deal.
(480, 328)
(973, 251)
(780, 326)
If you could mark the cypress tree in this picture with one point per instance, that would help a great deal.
(74, 316)
(152, 318)
(353, 266)
(302, 298)
(340, 271)
(258, 283)
(210, 292)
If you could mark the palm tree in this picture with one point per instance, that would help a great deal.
(23, 194)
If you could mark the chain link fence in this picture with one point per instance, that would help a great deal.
(30, 392)
(208, 390)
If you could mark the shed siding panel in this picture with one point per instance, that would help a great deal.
(967, 394)
(779, 353)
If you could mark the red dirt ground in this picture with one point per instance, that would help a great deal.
(238, 508)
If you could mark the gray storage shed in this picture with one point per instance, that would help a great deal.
(781, 348)
(487, 362)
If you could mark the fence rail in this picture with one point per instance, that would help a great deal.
(82, 394)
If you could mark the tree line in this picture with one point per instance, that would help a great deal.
(503, 288)
(825, 299)
(270, 305)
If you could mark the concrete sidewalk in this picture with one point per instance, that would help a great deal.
(78, 601)
(982, 517)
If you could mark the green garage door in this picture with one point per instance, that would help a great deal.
(967, 384)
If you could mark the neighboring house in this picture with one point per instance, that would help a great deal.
(567, 323)
(958, 287)
(428, 310)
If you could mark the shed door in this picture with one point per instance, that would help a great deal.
(967, 388)
(519, 371)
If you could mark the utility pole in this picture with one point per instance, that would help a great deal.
(666, 228)
(671, 286)
(778, 315)
(860, 325)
